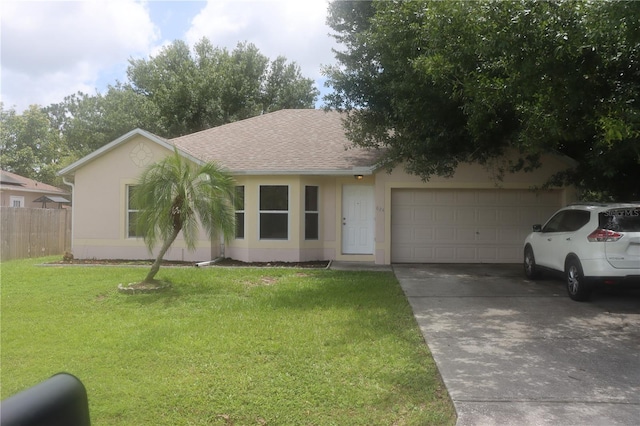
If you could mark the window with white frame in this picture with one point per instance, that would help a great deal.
(132, 214)
(311, 213)
(239, 207)
(16, 201)
(274, 212)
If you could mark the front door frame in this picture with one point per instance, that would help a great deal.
(358, 220)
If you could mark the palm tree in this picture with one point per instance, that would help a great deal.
(171, 195)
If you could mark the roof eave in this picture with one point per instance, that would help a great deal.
(34, 190)
(364, 171)
(114, 144)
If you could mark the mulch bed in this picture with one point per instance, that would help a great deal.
(224, 262)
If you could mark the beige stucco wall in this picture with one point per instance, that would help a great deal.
(100, 215)
(100, 227)
(295, 248)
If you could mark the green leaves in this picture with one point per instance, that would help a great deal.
(439, 82)
(215, 86)
(173, 194)
(29, 145)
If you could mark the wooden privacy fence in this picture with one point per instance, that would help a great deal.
(28, 232)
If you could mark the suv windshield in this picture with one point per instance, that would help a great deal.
(620, 220)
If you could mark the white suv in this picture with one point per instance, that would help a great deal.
(588, 243)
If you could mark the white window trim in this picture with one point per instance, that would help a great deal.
(287, 212)
(128, 212)
(317, 211)
(16, 198)
(243, 211)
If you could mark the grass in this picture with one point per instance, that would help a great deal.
(223, 346)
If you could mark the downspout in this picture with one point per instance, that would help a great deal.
(217, 259)
(73, 207)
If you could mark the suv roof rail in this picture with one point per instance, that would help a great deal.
(599, 204)
(589, 203)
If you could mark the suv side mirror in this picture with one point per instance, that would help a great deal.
(537, 228)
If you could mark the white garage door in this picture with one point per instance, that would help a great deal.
(465, 226)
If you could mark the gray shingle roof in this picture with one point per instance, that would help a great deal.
(300, 141)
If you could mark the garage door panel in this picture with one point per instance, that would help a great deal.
(444, 215)
(488, 254)
(466, 198)
(465, 225)
(465, 235)
(509, 216)
(465, 215)
(423, 215)
(441, 254)
(424, 253)
(445, 234)
(466, 254)
(509, 198)
(488, 215)
(487, 235)
(404, 215)
(424, 235)
(487, 197)
(445, 197)
(423, 198)
(402, 198)
(404, 234)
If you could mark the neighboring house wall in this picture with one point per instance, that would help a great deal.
(18, 191)
(100, 208)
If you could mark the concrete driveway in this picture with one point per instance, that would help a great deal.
(512, 351)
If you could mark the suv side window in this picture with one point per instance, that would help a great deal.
(575, 219)
(567, 221)
(555, 223)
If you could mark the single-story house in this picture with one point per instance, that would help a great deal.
(310, 195)
(19, 191)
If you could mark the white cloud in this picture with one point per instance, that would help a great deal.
(53, 49)
(294, 29)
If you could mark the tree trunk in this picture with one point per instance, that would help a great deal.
(156, 265)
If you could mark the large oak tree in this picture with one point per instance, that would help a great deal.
(437, 83)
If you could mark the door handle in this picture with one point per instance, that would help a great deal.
(568, 238)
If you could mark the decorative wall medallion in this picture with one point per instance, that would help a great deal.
(141, 155)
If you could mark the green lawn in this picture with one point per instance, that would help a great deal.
(223, 346)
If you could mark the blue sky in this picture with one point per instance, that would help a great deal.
(51, 49)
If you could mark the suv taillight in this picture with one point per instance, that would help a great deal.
(604, 235)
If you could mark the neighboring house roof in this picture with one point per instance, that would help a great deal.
(290, 141)
(13, 182)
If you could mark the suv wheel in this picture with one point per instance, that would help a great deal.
(530, 269)
(577, 287)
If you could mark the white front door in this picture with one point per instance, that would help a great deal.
(357, 219)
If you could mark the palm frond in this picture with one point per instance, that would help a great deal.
(176, 193)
